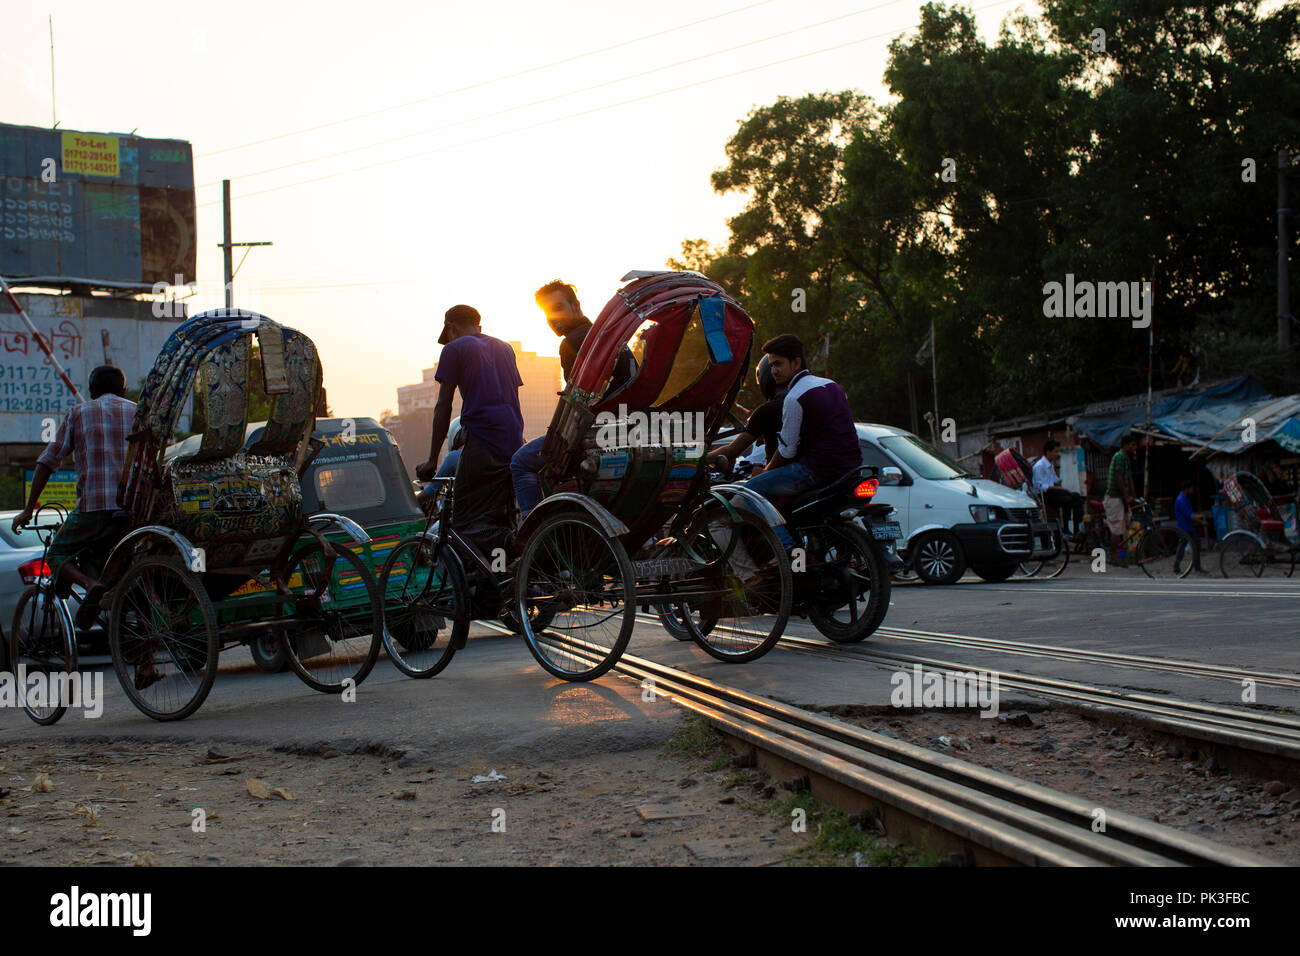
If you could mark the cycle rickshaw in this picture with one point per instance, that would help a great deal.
(628, 519)
(1260, 543)
(218, 549)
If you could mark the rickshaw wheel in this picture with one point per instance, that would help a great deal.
(1166, 553)
(426, 607)
(1241, 555)
(334, 641)
(580, 578)
(746, 622)
(163, 617)
(849, 570)
(40, 640)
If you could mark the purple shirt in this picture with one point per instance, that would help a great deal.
(484, 370)
(817, 427)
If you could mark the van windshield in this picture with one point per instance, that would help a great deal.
(922, 459)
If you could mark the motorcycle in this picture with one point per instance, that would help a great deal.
(841, 552)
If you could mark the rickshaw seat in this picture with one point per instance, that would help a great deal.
(1270, 525)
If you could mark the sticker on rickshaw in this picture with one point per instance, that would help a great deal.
(605, 487)
(1232, 488)
(613, 466)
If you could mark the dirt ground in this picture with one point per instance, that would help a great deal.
(80, 804)
(1116, 767)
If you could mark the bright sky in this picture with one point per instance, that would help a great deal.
(485, 166)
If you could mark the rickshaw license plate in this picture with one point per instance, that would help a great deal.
(887, 531)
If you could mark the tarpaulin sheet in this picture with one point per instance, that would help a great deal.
(1106, 429)
(1224, 428)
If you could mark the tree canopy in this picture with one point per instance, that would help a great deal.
(1129, 142)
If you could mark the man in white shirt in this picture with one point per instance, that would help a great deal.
(1047, 481)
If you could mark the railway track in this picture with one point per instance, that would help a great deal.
(926, 797)
(1190, 668)
(1257, 740)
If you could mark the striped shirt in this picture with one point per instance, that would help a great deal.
(95, 432)
(1119, 476)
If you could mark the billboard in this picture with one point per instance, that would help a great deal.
(94, 208)
(82, 332)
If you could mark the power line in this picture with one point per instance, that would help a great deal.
(587, 112)
(497, 79)
(559, 96)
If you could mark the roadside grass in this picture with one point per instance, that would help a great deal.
(696, 739)
(835, 841)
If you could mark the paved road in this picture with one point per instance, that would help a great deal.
(493, 699)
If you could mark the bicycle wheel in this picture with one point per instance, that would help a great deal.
(41, 642)
(748, 584)
(426, 607)
(162, 633)
(669, 617)
(1241, 555)
(1054, 566)
(335, 640)
(582, 579)
(1165, 553)
(852, 586)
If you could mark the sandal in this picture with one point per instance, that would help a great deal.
(89, 610)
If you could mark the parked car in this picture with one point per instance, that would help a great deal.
(951, 519)
(359, 474)
(21, 557)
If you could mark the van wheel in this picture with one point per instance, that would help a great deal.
(937, 557)
(997, 572)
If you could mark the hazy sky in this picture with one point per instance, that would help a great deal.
(471, 179)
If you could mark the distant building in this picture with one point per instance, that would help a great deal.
(414, 422)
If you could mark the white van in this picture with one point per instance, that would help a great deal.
(951, 520)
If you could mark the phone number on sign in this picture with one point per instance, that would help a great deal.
(17, 404)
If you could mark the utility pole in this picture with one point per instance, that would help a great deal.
(228, 272)
(54, 109)
(228, 247)
(1283, 277)
(934, 376)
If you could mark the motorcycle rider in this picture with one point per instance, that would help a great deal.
(817, 443)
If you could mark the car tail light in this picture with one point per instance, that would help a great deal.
(32, 571)
(866, 489)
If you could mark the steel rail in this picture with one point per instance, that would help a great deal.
(1004, 816)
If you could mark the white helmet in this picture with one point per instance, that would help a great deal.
(455, 437)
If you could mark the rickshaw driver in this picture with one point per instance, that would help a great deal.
(559, 301)
(817, 443)
(96, 433)
(484, 370)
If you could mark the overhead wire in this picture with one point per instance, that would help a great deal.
(603, 84)
(496, 79)
(587, 112)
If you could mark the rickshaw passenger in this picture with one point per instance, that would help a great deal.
(763, 426)
(559, 301)
(96, 433)
(817, 443)
(484, 370)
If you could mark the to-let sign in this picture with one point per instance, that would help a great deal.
(90, 154)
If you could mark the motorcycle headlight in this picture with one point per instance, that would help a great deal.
(984, 513)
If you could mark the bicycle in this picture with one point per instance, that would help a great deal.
(43, 639)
